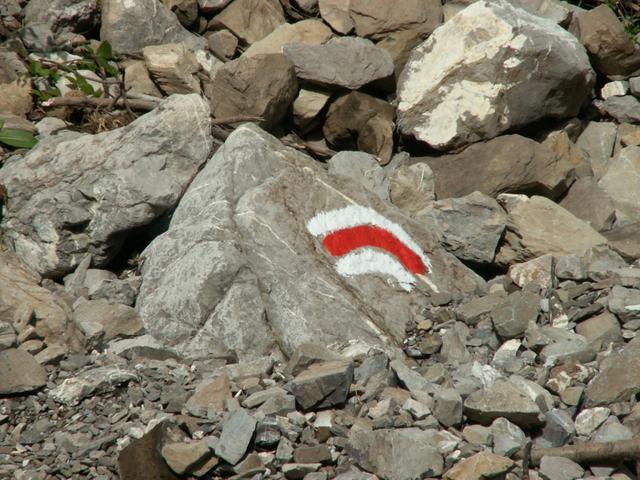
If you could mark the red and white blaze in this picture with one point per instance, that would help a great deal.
(367, 242)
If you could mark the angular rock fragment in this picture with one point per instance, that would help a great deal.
(621, 181)
(20, 372)
(362, 168)
(538, 270)
(348, 62)
(137, 79)
(518, 311)
(590, 202)
(98, 379)
(308, 354)
(210, 396)
(596, 142)
(445, 99)
(129, 177)
(172, 67)
(624, 109)
(15, 85)
(479, 466)
(310, 31)
(250, 20)
(336, 14)
(236, 435)
(105, 321)
(185, 457)
(377, 18)
(411, 187)
(322, 385)
(307, 107)
(559, 468)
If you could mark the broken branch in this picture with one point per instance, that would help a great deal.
(144, 105)
(606, 452)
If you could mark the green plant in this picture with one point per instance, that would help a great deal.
(16, 138)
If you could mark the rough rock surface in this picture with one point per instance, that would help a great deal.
(445, 98)
(77, 194)
(244, 265)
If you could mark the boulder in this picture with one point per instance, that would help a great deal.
(376, 19)
(507, 164)
(310, 31)
(75, 193)
(536, 70)
(249, 20)
(262, 85)
(347, 62)
(591, 203)
(245, 264)
(125, 25)
(621, 182)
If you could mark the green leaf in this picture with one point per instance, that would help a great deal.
(82, 84)
(104, 51)
(1, 124)
(17, 138)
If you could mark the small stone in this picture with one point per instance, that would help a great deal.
(559, 428)
(538, 270)
(447, 407)
(236, 436)
(590, 419)
(223, 44)
(518, 311)
(418, 410)
(600, 331)
(624, 109)
(612, 431)
(312, 454)
(570, 267)
(362, 168)
(184, 458)
(507, 437)
(307, 106)
(480, 466)
(559, 468)
(51, 354)
(322, 385)
(210, 396)
(613, 89)
(574, 348)
(634, 85)
(265, 17)
(172, 66)
(20, 372)
(295, 471)
(478, 435)
(479, 308)
(95, 380)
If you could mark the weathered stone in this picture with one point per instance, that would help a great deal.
(479, 308)
(297, 471)
(59, 212)
(126, 26)
(626, 240)
(264, 17)
(590, 202)
(588, 420)
(612, 431)
(395, 454)
(236, 435)
(378, 18)
(601, 330)
(262, 85)
(479, 466)
(20, 372)
(538, 226)
(509, 163)
(322, 385)
(15, 85)
(336, 14)
(137, 79)
(95, 380)
(211, 395)
(604, 36)
(558, 428)
(614, 89)
(518, 311)
(411, 187)
(624, 302)
(113, 320)
(185, 457)
(596, 142)
(307, 107)
(558, 11)
(575, 348)
(399, 45)
(348, 62)
(310, 31)
(308, 354)
(454, 344)
(312, 454)
(222, 266)
(620, 181)
(444, 99)
(507, 437)
(362, 168)
(447, 407)
(538, 270)
(503, 399)
(223, 44)
(362, 121)
(559, 468)
(172, 67)
(212, 6)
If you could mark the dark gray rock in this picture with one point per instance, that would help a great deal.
(625, 109)
(447, 407)
(518, 311)
(236, 435)
(558, 429)
(559, 468)
(322, 385)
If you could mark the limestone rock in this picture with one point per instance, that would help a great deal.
(172, 67)
(362, 168)
(238, 268)
(518, 311)
(250, 20)
(262, 85)
(411, 187)
(322, 385)
(95, 380)
(20, 372)
(559, 468)
(60, 211)
(125, 25)
(596, 142)
(137, 79)
(442, 100)
(479, 466)
(537, 270)
(623, 109)
(509, 163)
(348, 62)
(310, 31)
(336, 14)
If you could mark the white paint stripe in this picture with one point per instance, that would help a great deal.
(352, 216)
(373, 261)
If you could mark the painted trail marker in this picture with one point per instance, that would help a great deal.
(367, 242)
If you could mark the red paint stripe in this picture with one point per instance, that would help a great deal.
(344, 241)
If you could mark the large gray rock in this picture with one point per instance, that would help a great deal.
(348, 62)
(131, 25)
(395, 454)
(621, 182)
(492, 68)
(244, 267)
(20, 372)
(75, 194)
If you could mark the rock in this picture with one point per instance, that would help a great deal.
(106, 320)
(418, 385)
(623, 109)
(93, 381)
(20, 372)
(478, 309)
(616, 381)
(597, 142)
(588, 420)
(411, 187)
(245, 272)
(376, 19)
(297, 471)
(454, 341)
(312, 454)
(310, 31)
(537, 226)
(236, 435)
(447, 407)
(469, 227)
(336, 14)
(399, 45)
(439, 102)
(137, 79)
(502, 399)
(185, 457)
(559, 428)
(172, 67)
(538, 270)
(125, 25)
(612, 431)
(574, 348)
(348, 62)
(58, 213)
(362, 168)
(357, 120)
(307, 355)
(479, 466)
(223, 44)
(15, 89)
(604, 36)
(507, 437)
(614, 89)
(624, 302)
(264, 18)
(307, 107)
(620, 181)
(395, 454)
(570, 267)
(322, 385)
(142, 458)
(509, 163)
(262, 85)
(559, 468)
(518, 311)
(590, 202)
(602, 259)
(601, 330)
(212, 6)
(625, 240)
(210, 396)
